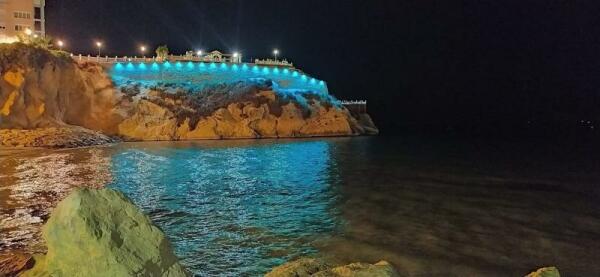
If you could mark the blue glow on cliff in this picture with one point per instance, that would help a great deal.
(197, 75)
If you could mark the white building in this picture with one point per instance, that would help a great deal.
(16, 16)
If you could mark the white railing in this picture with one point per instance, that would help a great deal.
(273, 62)
(353, 102)
(117, 59)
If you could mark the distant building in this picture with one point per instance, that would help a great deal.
(16, 16)
(217, 56)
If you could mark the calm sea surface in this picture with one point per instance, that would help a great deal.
(432, 208)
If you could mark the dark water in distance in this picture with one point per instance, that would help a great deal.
(443, 207)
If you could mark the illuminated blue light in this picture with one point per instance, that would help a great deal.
(276, 70)
(286, 71)
(265, 70)
(304, 78)
(321, 83)
(202, 65)
(213, 65)
(155, 66)
(313, 81)
(178, 65)
(119, 66)
(167, 64)
(142, 66)
(244, 67)
(235, 67)
(223, 66)
(190, 65)
(130, 67)
(295, 74)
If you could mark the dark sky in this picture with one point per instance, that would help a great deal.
(421, 64)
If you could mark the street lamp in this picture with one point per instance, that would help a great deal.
(99, 45)
(143, 50)
(236, 55)
(275, 53)
(60, 44)
(199, 53)
(28, 32)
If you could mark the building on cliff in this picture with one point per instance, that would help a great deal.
(17, 16)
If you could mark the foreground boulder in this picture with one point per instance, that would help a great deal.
(306, 267)
(102, 233)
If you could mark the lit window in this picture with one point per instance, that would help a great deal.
(23, 15)
(20, 28)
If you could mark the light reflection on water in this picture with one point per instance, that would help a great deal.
(234, 210)
(32, 182)
(432, 208)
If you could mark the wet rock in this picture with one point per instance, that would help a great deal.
(12, 264)
(102, 233)
(380, 269)
(299, 268)
(545, 272)
(317, 268)
(53, 137)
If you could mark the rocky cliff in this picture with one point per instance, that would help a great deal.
(42, 89)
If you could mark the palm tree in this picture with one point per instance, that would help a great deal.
(162, 52)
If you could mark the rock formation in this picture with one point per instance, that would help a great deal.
(102, 233)
(306, 267)
(545, 272)
(41, 89)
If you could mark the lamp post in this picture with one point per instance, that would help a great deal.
(236, 56)
(60, 44)
(275, 53)
(143, 50)
(28, 32)
(99, 45)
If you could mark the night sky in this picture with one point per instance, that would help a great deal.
(422, 65)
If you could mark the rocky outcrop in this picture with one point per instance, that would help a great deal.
(545, 272)
(306, 267)
(253, 118)
(102, 233)
(40, 89)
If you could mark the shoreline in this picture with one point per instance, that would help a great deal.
(30, 139)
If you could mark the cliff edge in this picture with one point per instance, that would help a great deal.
(44, 90)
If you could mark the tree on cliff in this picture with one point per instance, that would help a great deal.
(162, 52)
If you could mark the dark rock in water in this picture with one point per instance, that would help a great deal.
(301, 267)
(102, 233)
(306, 267)
(545, 272)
